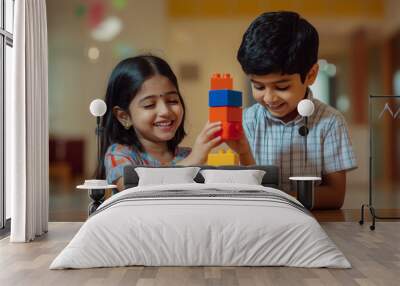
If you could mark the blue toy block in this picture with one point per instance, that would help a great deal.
(224, 97)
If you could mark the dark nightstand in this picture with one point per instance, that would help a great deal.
(96, 191)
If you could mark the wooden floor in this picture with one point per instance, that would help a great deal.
(374, 255)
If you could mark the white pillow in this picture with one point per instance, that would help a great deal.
(248, 177)
(163, 176)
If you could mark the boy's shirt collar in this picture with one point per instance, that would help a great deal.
(296, 120)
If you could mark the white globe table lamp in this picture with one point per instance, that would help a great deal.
(96, 188)
(305, 184)
(98, 108)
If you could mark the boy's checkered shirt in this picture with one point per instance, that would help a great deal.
(274, 142)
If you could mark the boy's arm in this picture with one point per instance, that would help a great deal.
(247, 159)
(330, 194)
(242, 148)
(338, 158)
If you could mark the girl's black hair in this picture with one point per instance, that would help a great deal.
(125, 81)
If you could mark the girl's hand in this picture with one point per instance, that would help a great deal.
(205, 141)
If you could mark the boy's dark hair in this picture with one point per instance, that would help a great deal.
(279, 42)
(125, 81)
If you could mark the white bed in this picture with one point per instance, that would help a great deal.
(201, 224)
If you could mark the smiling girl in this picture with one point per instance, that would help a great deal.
(144, 122)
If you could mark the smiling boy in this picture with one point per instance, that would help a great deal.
(279, 53)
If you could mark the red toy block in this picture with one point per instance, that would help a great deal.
(223, 81)
(225, 113)
(231, 131)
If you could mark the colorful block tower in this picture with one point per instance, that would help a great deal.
(225, 105)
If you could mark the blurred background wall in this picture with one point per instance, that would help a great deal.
(359, 41)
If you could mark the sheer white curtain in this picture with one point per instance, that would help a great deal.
(27, 124)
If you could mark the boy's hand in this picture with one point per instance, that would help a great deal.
(242, 148)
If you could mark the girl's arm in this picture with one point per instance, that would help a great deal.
(207, 141)
(120, 184)
(115, 160)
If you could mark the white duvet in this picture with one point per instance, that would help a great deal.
(207, 230)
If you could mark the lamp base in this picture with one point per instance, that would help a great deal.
(97, 195)
(305, 193)
(306, 190)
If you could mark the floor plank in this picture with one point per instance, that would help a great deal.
(374, 255)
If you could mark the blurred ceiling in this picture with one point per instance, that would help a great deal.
(335, 20)
(334, 9)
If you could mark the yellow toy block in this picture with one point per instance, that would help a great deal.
(223, 158)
